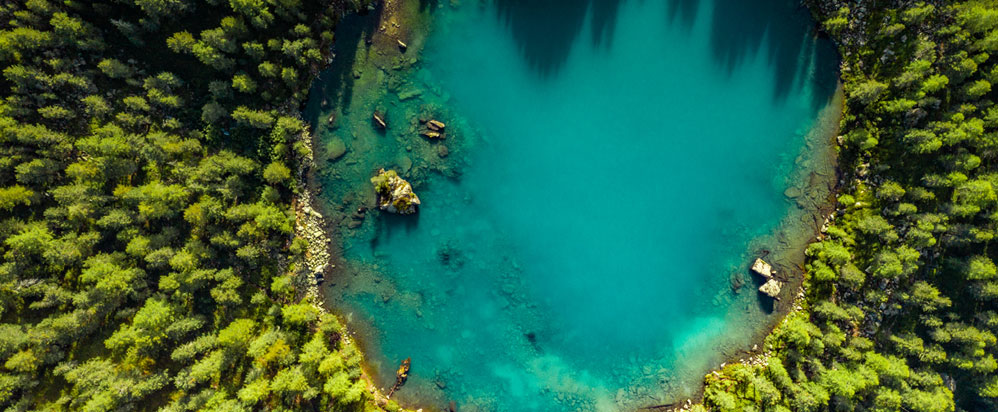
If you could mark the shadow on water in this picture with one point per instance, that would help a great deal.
(336, 83)
(428, 4)
(388, 223)
(786, 33)
(682, 12)
(544, 31)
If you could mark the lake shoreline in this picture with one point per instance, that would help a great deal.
(321, 224)
(339, 217)
(824, 213)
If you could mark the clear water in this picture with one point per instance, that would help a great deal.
(624, 159)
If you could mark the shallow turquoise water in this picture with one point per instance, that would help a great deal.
(624, 160)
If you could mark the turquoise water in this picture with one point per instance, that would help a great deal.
(620, 163)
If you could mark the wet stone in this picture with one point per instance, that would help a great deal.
(409, 94)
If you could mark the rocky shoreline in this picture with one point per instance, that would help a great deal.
(390, 42)
(313, 226)
(316, 223)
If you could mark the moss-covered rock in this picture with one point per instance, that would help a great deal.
(395, 195)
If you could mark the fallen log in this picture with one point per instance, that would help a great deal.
(400, 376)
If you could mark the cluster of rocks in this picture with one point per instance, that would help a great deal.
(772, 286)
(311, 226)
(434, 129)
(395, 195)
(357, 218)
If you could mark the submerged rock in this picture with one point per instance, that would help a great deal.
(395, 195)
(409, 94)
(405, 163)
(771, 288)
(736, 282)
(792, 192)
(762, 268)
(335, 149)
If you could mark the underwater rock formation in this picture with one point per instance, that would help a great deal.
(395, 195)
(335, 149)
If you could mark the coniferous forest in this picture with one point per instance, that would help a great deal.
(901, 306)
(149, 152)
(150, 149)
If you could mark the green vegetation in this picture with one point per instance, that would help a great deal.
(901, 307)
(149, 149)
(148, 152)
(382, 182)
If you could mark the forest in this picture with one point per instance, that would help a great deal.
(148, 156)
(150, 149)
(901, 292)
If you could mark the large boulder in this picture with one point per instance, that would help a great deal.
(762, 268)
(771, 288)
(395, 195)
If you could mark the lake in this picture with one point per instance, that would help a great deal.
(612, 169)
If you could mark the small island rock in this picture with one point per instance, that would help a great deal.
(395, 195)
(762, 268)
(771, 288)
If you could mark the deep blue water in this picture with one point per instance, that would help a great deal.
(624, 159)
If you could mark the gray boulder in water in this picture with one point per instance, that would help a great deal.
(762, 268)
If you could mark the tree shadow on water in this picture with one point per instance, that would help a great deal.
(335, 84)
(388, 223)
(545, 30)
(782, 31)
(428, 4)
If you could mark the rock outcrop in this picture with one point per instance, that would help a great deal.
(772, 286)
(395, 195)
